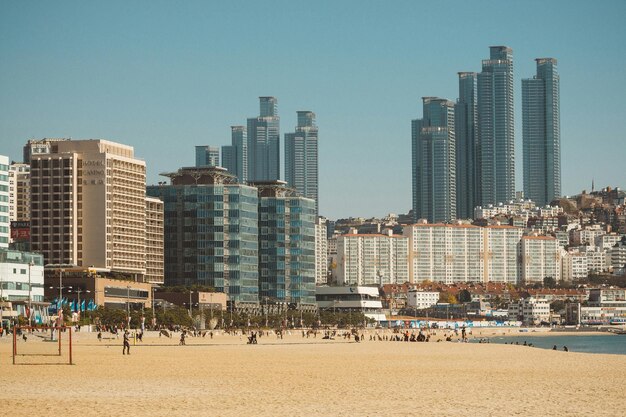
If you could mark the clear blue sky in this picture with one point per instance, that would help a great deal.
(164, 76)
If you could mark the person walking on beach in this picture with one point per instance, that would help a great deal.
(182, 339)
(126, 343)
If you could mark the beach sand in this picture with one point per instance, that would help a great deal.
(301, 377)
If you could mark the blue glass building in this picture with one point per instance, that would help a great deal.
(301, 157)
(286, 246)
(235, 155)
(542, 133)
(207, 156)
(465, 126)
(496, 128)
(264, 142)
(434, 162)
(211, 232)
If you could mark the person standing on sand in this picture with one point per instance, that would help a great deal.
(126, 343)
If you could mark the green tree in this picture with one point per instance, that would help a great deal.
(549, 282)
(465, 296)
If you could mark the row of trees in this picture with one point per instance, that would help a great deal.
(179, 316)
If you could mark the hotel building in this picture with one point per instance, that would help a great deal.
(88, 205)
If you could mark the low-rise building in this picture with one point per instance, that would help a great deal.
(21, 284)
(422, 299)
(354, 298)
(530, 311)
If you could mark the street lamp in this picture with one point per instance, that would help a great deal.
(30, 297)
(128, 303)
(78, 291)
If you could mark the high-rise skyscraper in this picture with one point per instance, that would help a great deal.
(301, 161)
(264, 142)
(465, 117)
(235, 155)
(542, 133)
(496, 130)
(434, 161)
(207, 156)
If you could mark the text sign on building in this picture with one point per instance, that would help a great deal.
(20, 230)
(93, 172)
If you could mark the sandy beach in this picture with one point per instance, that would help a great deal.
(298, 376)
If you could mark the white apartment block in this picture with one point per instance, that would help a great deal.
(521, 208)
(88, 205)
(618, 255)
(452, 253)
(579, 237)
(574, 266)
(19, 192)
(4, 201)
(445, 253)
(501, 254)
(530, 311)
(422, 299)
(541, 258)
(372, 259)
(597, 260)
(607, 241)
(321, 251)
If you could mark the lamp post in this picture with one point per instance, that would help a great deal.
(153, 314)
(30, 296)
(78, 291)
(1, 304)
(128, 303)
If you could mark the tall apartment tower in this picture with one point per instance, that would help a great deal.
(542, 133)
(286, 245)
(4, 201)
(434, 162)
(207, 156)
(235, 155)
(465, 126)
(301, 160)
(88, 206)
(264, 142)
(496, 130)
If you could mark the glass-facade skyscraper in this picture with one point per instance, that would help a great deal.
(207, 156)
(301, 157)
(465, 118)
(286, 246)
(541, 133)
(235, 155)
(496, 129)
(434, 162)
(211, 232)
(264, 142)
